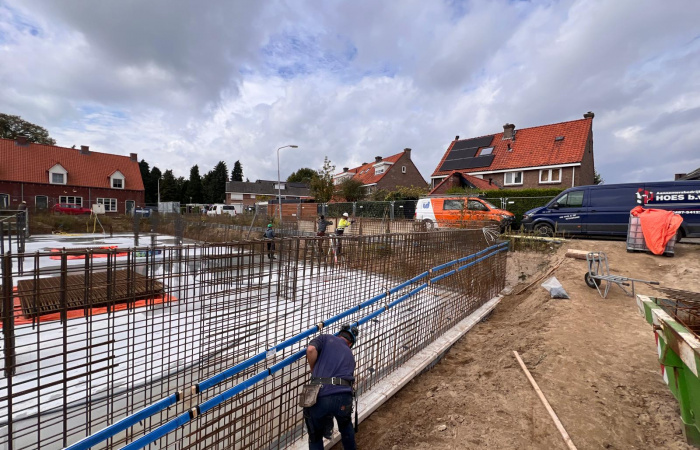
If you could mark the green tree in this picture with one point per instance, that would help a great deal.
(379, 195)
(13, 126)
(351, 190)
(406, 193)
(303, 175)
(154, 179)
(322, 186)
(146, 177)
(168, 187)
(214, 184)
(237, 172)
(597, 179)
(182, 184)
(195, 193)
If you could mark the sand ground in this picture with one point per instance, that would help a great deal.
(595, 359)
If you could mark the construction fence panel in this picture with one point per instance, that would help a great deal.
(93, 335)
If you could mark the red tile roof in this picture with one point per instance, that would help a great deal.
(479, 183)
(365, 173)
(31, 163)
(534, 147)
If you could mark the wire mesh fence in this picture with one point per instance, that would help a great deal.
(92, 335)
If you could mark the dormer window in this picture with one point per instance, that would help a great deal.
(58, 175)
(379, 170)
(116, 180)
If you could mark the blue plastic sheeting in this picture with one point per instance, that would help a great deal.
(181, 420)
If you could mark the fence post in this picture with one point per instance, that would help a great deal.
(391, 210)
(354, 208)
(8, 316)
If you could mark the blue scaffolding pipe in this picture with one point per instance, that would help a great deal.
(181, 420)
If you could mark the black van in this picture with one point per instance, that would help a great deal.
(605, 209)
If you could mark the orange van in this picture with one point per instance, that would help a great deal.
(445, 212)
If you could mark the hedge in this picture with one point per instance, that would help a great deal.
(523, 199)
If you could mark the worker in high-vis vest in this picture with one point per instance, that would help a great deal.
(342, 225)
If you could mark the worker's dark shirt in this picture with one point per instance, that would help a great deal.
(335, 359)
(322, 224)
(269, 234)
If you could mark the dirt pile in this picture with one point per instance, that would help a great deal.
(595, 359)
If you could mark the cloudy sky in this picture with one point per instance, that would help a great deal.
(184, 82)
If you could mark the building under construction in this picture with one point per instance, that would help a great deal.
(108, 345)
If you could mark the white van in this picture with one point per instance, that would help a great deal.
(220, 208)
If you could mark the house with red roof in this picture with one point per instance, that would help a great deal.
(386, 173)
(558, 155)
(45, 175)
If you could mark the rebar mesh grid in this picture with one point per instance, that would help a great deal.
(72, 372)
(684, 306)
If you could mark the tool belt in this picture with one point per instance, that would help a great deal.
(335, 381)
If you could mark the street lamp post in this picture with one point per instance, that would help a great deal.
(279, 182)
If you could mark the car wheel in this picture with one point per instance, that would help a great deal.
(544, 229)
(428, 224)
(679, 235)
(591, 282)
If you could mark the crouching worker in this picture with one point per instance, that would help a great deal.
(333, 367)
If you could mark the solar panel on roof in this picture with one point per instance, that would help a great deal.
(483, 141)
(462, 153)
(467, 163)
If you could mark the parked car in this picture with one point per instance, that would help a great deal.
(70, 208)
(220, 208)
(605, 209)
(441, 212)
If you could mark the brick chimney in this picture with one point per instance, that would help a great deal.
(21, 141)
(133, 157)
(84, 149)
(377, 159)
(345, 169)
(407, 152)
(589, 115)
(457, 138)
(508, 131)
(679, 176)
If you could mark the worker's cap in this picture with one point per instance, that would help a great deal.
(346, 215)
(350, 333)
(269, 225)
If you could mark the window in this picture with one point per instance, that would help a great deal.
(57, 178)
(453, 205)
(58, 175)
(71, 199)
(4, 200)
(475, 205)
(403, 169)
(110, 204)
(571, 200)
(378, 170)
(486, 151)
(550, 176)
(41, 202)
(512, 178)
(117, 183)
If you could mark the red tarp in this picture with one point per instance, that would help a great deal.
(658, 227)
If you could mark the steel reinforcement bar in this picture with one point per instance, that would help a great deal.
(202, 408)
(94, 330)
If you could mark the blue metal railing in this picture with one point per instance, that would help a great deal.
(207, 405)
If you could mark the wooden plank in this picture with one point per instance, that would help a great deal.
(552, 414)
(576, 254)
